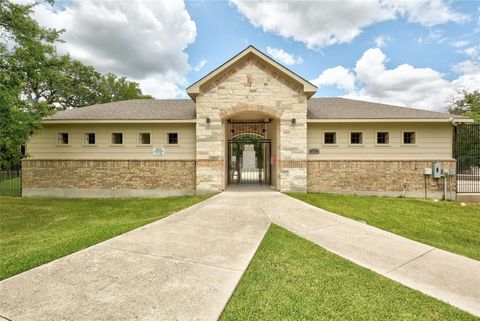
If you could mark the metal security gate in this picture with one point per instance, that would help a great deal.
(249, 162)
(11, 181)
(467, 153)
(249, 152)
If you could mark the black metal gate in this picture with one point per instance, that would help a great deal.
(249, 152)
(467, 153)
(249, 162)
(11, 181)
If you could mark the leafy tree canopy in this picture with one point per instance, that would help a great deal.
(35, 81)
(468, 104)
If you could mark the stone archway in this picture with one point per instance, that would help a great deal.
(251, 120)
(268, 111)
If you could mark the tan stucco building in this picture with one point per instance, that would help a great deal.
(250, 121)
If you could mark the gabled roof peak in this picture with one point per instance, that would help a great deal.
(308, 88)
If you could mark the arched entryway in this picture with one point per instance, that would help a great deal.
(249, 153)
(251, 147)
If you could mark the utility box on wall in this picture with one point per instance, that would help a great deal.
(437, 169)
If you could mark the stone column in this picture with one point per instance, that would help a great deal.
(293, 151)
(210, 150)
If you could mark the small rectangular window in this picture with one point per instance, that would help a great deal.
(383, 138)
(172, 138)
(330, 138)
(409, 137)
(62, 139)
(117, 138)
(144, 138)
(356, 138)
(89, 139)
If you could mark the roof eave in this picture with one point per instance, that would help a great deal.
(390, 120)
(117, 121)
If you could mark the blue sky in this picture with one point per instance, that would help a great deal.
(223, 31)
(415, 53)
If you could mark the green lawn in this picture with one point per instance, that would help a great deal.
(10, 187)
(445, 225)
(290, 278)
(36, 231)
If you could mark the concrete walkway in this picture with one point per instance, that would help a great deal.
(183, 267)
(446, 276)
(186, 266)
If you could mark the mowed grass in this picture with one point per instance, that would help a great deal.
(10, 187)
(445, 225)
(291, 278)
(36, 231)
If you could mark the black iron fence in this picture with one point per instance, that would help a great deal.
(466, 148)
(11, 182)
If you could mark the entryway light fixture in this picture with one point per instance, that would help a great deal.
(294, 121)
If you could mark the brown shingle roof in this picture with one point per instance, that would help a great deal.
(342, 108)
(136, 109)
(184, 109)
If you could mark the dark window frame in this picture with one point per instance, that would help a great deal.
(87, 138)
(385, 140)
(61, 138)
(409, 138)
(113, 140)
(140, 142)
(356, 138)
(332, 140)
(176, 140)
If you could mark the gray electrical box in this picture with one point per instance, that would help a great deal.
(437, 170)
(427, 171)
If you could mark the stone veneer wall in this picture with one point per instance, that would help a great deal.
(375, 177)
(107, 178)
(251, 85)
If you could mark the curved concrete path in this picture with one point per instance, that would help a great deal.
(183, 267)
(186, 266)
(449, 277)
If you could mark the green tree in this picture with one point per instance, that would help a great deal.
(35, 81)
(19, 118)
(115, 88)
(468, 104)
(467, 143)
(66, 83)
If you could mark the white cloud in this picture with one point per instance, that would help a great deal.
(284, 57)
(381, 41)
(472, 52)
(322, 23)
(469, 67)
(200, 65)
(339, 77)
(165, 85)
(403, 85)
(427, 12)
(469, 81)
(465, 67)
(460, 43)
(143, 40)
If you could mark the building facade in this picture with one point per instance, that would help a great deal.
(250, 121)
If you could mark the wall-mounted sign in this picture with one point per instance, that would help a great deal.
(160, 151)
(314, 151)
